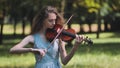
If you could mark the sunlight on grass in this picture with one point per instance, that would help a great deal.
(107, 40)
(102, 35)
(17, 61)
(94, 61)
(8, 29)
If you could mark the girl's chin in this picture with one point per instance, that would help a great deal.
(51, 27)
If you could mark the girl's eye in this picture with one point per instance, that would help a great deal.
(52, 20)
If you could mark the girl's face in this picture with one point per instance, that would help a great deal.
(50, 21)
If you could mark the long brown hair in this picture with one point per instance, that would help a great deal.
(38, 23)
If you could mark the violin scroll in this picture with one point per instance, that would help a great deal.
(88, 40)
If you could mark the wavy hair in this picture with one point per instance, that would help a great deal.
(38, 20)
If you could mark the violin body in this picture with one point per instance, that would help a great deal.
(66, 35)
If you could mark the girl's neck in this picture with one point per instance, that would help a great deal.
(43, 31)
(43, 35)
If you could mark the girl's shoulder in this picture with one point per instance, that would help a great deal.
(30, 38)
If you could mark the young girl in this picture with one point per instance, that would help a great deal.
(46, 58)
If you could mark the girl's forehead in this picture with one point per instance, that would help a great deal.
(51, 16)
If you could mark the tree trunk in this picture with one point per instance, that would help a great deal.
(23, 27)
(99, 24)
(106, 26)
(1, 30)
(2, 23)
(62, 7)
(15, 23)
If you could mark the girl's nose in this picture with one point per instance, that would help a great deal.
(53, 22)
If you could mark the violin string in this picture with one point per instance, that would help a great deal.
(59, 32)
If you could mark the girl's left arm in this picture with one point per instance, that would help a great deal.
(65, 58)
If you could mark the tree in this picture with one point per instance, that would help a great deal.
(2, 15)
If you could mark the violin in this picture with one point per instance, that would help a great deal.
(66, 34)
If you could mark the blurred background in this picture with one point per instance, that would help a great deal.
(97, 19)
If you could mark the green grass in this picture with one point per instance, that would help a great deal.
(104, 53)
(8, 29)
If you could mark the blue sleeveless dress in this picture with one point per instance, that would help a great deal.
(51, 58)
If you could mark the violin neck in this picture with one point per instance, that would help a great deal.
(68, 34)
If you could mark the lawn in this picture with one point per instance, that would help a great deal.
(104, 53)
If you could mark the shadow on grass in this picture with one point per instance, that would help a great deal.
(17, 36)
(116, 35)
(107, 48)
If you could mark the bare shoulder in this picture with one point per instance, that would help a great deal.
(30, 38)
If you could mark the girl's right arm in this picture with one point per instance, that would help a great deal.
(19, 48)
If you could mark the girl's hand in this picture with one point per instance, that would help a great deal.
(42, 52)
(79, 39)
